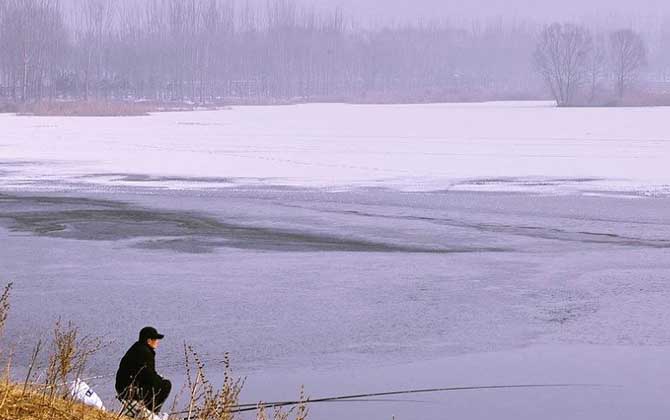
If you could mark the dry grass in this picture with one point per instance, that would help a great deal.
(205, 402)
(299, 412)
(48, 398)
(45, 393)
(643, 99)
(19, 404)
(67, 359)
(4, 307)
(84, 109)
(96, 108)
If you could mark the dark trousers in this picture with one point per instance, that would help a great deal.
(154, 398)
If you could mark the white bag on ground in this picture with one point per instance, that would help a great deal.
(83, 393)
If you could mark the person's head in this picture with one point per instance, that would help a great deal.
(151, 337)
(153, 343)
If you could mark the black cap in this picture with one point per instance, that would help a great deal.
(148, 333)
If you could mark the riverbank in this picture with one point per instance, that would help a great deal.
(16, 404)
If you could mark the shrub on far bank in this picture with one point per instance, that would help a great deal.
(95, 108)
(637, 99)
(83, 108)
(642, 99)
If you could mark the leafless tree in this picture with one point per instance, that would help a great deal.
(562, 57)
(32, 38)
(209, 51)
(597, 67)
(628, 55)
(95, 21)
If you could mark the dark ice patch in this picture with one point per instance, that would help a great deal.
(154, 178)
(88, 219)
(525, 181)
(537, 232)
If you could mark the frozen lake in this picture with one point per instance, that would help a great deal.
(347, 292)
(526, 146)
(348, 281)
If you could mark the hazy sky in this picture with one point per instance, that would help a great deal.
(383, 10)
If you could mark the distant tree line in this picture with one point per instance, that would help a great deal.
(211, 51)
(577, 66)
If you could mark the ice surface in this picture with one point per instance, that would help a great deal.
(537, 289)
(121, 222)
(513, 146)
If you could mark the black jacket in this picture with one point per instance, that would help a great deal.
(138, 368)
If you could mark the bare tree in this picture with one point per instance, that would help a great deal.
(32, 38)
(208, 51)
(562, 57)
(597, 67)
(628, 55)
(95, 27)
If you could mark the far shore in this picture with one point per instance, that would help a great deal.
(117, 108)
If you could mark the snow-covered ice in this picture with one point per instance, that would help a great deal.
(517, 146)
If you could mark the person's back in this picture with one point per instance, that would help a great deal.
(137, 379)
(136, 368)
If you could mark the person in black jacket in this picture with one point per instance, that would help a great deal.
(137, 379)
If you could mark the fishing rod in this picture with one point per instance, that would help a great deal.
(240, 408)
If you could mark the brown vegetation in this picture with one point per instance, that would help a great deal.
(45, 394)
(205, 402)
(640, 99)
(83, 109)
(19, 404)
(97, 108)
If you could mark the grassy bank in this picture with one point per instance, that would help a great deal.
(19, 403)
(45, 393)
(96, 108)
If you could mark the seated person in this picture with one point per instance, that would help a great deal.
(137, 379)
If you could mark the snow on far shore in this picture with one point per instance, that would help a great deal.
(502, 146)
